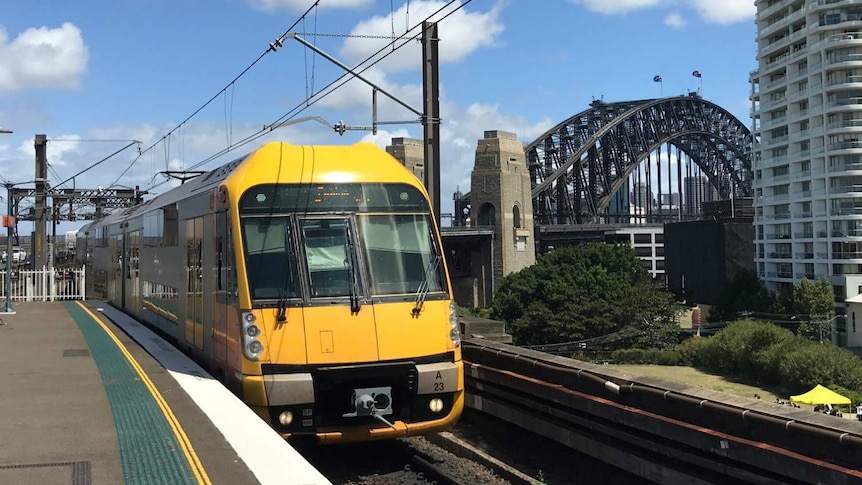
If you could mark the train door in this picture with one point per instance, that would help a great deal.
(221, 291)
(194, 284)
(337, 328)
(131, 254)
(115, 275)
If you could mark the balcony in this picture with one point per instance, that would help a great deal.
(840, 102)
(847, 255)
(845, 189)
(843, 80)
(845, 124)
(843, 58)
(850, 211)
(845, 167)
(845, 145)
(854, 233)
(777, 139)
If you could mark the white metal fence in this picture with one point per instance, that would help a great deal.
(44, 284)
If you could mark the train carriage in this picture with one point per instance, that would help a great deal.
(309, 279)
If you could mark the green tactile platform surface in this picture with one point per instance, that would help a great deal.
(149, 450)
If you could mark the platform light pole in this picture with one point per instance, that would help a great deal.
(9, 224)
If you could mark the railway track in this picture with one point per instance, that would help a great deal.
(411, 461)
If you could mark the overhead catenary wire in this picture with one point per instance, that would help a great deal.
(271, 48)
(97, 163)
(88, 140)
(337, 83)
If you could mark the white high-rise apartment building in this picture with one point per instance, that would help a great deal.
(807, 113)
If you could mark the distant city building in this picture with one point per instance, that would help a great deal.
(619, 203)
(670, 199)
(695, 191)
(642, 195)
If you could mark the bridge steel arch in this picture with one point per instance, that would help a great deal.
(577, 166)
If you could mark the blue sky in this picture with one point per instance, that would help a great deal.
(134, 69)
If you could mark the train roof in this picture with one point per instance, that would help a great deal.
(317, 164)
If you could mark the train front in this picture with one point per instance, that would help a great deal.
(348, 327)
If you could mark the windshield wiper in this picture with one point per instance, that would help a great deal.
(281, 312)
(425, 285)
(355, 306)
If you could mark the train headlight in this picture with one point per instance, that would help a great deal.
(455, 327)
(435, 405)
(285, 418)
(252, 347)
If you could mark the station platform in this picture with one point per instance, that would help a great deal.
(90, 396)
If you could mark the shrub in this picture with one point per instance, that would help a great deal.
(741, 348)
(646, 356)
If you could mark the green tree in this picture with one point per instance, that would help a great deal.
(817, 301)
(744, 293)
(579, 292)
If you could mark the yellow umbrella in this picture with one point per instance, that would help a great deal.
(820, 395)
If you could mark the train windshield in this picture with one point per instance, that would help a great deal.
(395, 242)
(401, 253)
(329, 256)
(270, 264)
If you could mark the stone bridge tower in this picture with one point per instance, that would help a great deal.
(411, 153)
(500, 197)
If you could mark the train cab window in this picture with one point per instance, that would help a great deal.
(269, 265)
(401, 253)
(328, 256)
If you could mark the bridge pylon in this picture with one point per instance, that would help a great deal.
(501, 198)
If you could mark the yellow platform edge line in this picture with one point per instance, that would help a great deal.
(183, 439)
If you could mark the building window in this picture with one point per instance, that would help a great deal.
(516, 215)
(643, 238)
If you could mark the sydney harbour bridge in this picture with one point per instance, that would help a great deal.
(610, 172)
(583, 169)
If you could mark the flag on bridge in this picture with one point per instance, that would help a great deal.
(696, 73)
(657, 78)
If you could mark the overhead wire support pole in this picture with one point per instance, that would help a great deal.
(430, 118)
(8, 222)
(9, 225)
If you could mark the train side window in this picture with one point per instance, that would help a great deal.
(171, 226)
(154, 228)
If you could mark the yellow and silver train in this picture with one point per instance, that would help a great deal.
(309, 279)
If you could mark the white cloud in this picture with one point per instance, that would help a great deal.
(616, 6)
(711, 11)
(43, 58)
(302, 5)
(461, 34)
(675, 20)
(725, 11)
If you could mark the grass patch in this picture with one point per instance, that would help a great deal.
(693, 377)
